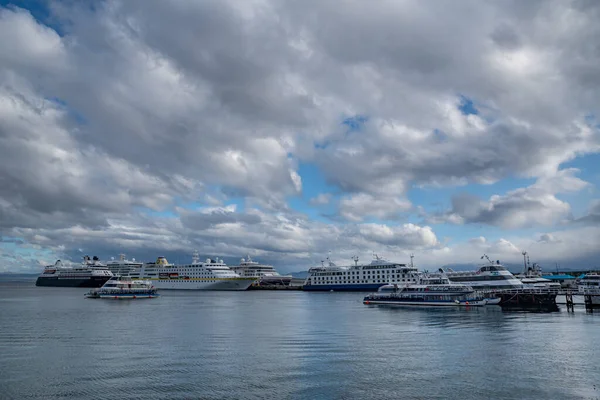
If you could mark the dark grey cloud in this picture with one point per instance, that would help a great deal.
(212, 218)
(592, 217)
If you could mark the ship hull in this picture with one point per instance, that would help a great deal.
(93, 282)
(227, 284)
(128, 296)
(367, 287)
(426, 303)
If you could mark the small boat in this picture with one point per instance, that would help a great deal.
(124, 288)
(429, 291)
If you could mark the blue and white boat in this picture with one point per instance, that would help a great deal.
(429, 291)
(124, 288)
(359, 277)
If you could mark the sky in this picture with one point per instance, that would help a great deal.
(290, 130)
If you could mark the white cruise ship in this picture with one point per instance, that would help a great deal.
(123, 266)
(262, 273)
(490, 276)
(209, 275)
(359, 277)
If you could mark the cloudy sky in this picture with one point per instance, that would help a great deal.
(286, 129)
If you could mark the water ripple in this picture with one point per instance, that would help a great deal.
(285, 345)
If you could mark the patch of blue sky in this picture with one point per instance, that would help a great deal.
(313, 181)
(313, 184)
(467, 107)
(73, 113)
(355, 123)
(588, 166)
(18, 248)
(589, 171)
(39, 9)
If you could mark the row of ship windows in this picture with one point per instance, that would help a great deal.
(383, 266)
(178, 270)
(203, 274)
(359, 281)
(368, 277)
(318, 282)
(358, 273)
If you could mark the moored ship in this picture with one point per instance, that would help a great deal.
(263, 273)
(123, 266)
(490, 276)
(359, 277)
(124, 288)
(209, 275)
(428, 291)
(90, 274)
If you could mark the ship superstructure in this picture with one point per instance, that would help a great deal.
(263, 273)
(492, 275)
(359, 277)
(90, 274)
(123, 266)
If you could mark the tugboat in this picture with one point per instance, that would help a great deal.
(429, 291)
(124, 288)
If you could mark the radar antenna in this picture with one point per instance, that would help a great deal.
(195, 257)
(411, 260)
(355, 259)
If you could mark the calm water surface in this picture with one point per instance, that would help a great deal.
(286, 345)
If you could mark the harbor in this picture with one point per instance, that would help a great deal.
(209, 344)
(490, 284)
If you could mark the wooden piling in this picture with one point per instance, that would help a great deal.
(569, 301)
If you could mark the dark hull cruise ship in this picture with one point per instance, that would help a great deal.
(359, 277)
(91, 274)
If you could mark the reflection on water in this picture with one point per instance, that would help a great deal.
(255, 345)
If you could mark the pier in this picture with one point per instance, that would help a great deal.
(544, 299)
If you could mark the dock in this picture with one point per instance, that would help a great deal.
(274, 287)
(544, 299)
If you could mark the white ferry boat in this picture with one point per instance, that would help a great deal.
(490, 276)
(90, 274)
(263, 274)
(209, 275)
(589, 282)
(359, 277)
(124, 288)
(589, 285)
(123, 266)
(429, 291)
(531, 276)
